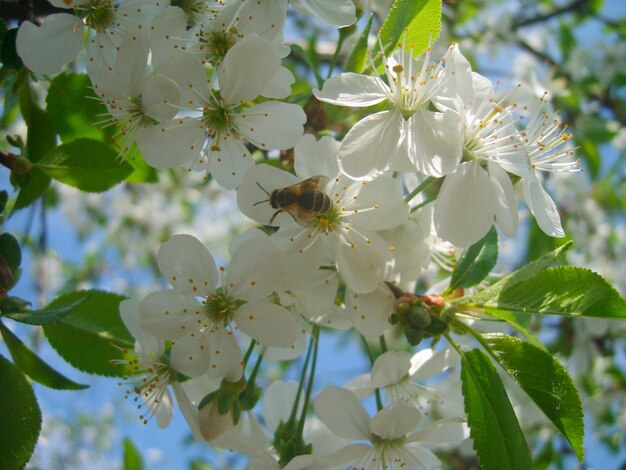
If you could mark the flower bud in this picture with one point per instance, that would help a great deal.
(213, 423)
(413, 336)
(22, 165)
(419, 317)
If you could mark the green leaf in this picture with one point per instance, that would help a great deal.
(545, 381)
(132, 457)
(40, 138)
(420, 19)
(74, 107)
(498, 438)
(10, 251)
(4, 197)
(33, 366)
(88, 336)
(573, 291)
(8, 52)
(11, 304)
(20, 417)
(357, 60)
(476, 262)
(38, 184)
(45, 316)
(297, 50)
(515, 322)
(86, 164)
(3, 29)
(518, 276)
(10, 259)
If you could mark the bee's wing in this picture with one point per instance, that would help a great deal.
(302, 216)
(315, 182)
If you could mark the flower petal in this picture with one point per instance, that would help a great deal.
(427, 363)
(271, 125)
(280, 85)
(316, 157)
(164, 408)
(465, 206)
(189, 411)
(247, 68)
(191, 354)
(269, 324)
(267, 19)
(371, 146)
(506, 201)
(278, 400)
(542, 207)
(362, 259)
(390, 367)
(352, 89)
(176, 142)
(188, 265)
(256, 269)
(435, 142)
(395, 421)
(130, 312)
(340, 410)
(369, 313)
(445, 432)
(226, 359)
(380, 205)
(47, 48)
(169, 314)
(229, 161)
(275, 354)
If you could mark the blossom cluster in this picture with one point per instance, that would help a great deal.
(201, 85)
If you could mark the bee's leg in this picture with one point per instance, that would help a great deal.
(274, 216)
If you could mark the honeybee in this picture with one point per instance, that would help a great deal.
(302, 201)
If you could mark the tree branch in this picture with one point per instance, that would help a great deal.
(576, 5)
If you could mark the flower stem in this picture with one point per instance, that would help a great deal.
(333, 60)
(296, 402)
(309, 388)
(423, 185)
(454, 345)
(379, 401)
(255, 371)
(383, 344)
(423, 203)
(249, 353)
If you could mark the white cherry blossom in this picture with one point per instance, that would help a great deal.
(151, 372)
(479, 192)
(212, 131)
(344, 236)
(399, 374)
(392, 441)
(135, 99)
(251, 438)
(47, 48)
(406, 136)
(200, 318)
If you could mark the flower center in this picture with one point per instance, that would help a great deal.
(98, 14)
(216, 44)
(220, 308)
(196, 11)
(328, 221)
(217, 118)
